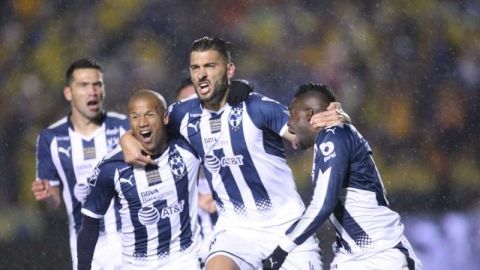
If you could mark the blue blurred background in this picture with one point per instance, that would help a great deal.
(407, 72)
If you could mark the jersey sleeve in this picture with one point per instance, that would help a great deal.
(102, 190)
(331, 163)
(175, 115)
(268, 113)
(45, 168)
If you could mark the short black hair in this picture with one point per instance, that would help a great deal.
(81, 63)
(184, 83)
(325, 93)
(218, 44)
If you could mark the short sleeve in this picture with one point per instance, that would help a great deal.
(45, 168)
(102, 190)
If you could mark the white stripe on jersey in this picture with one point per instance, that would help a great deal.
(67, 197)
(385, 230)
(116, 115)
(58, 123)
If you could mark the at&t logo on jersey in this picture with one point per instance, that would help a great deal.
(232, 161)
(213, 164)
(173, 209)
(235, 118)
(148, 215)
(328, 151)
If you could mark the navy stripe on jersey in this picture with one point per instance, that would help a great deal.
(181, 185)
(248, 169)
(164, 230)
(117, 206)
(273, 143)
(374, 185)
(410, 261)
(270, 116)
(197, 141)
(229, 182)
(67, 164)
(354, 230)
(141, 235)
(341, 243)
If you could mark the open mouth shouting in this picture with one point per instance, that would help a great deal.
(203, 88)
(146, 136)
(93, 105)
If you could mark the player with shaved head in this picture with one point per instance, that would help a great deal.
(158, 201)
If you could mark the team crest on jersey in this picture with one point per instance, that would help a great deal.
(177, 165)
(112, 131)
(235, 117)
(328, 150)
(112, 142)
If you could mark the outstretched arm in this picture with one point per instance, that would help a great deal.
(86, 242)
(133, 151)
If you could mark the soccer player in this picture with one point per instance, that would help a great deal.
(348, 190)
(68, 151)
(241, 148)
(159, 202)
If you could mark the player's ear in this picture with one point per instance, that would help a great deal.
(165, 118)
(230, 70)
(308, 113)
(67, 93)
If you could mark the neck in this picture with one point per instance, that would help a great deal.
(83, 125)
(159, 149)
(216, 105)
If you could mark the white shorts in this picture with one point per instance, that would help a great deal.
(249, 247)
(183, 262)
(400, 257)
(107, 255)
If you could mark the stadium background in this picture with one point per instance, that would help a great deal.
(407, 72)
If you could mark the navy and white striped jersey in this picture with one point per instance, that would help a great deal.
(158, 203)
(349, 191)
(243, 155)
(67, 158)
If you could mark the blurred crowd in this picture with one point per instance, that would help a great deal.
(407, 72)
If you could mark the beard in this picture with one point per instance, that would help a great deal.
(219, 90)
